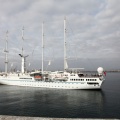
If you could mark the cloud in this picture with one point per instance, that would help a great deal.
(93, 29)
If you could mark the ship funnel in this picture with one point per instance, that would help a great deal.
(23, 63)
(100, 70)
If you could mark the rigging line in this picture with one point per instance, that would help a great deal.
(31, 58)
(73, 53)
(70, 26)
(73, 35)
(72, 31)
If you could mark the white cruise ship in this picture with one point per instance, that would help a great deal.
(70, 81)
(64, 80)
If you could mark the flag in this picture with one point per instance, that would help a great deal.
(104, 73)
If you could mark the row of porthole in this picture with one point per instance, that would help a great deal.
(77, 79)
(83, 79)
(53, 82)
(52, 86)
(90, 79)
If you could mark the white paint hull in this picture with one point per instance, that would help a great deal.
(57, 85)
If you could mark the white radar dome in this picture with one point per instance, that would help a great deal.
(100, 70)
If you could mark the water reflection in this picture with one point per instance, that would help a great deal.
(26, 101)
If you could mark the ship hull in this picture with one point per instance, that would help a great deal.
(57, 85)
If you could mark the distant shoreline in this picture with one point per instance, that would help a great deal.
(105, 71)
(113, 71)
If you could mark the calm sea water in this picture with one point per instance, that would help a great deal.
(25, 101)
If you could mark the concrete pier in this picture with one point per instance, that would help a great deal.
(5, 117)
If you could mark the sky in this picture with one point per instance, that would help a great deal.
(92, 33)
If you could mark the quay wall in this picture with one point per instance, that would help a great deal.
(6, 117)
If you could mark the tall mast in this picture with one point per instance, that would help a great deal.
(42, 47)
(65, 57)
(23, 57)
(22, 38)
(6, 52)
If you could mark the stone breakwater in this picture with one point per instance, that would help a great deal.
(5, 117)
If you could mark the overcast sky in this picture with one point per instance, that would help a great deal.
(93, 32)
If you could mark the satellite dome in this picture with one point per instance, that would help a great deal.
(100, 70)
